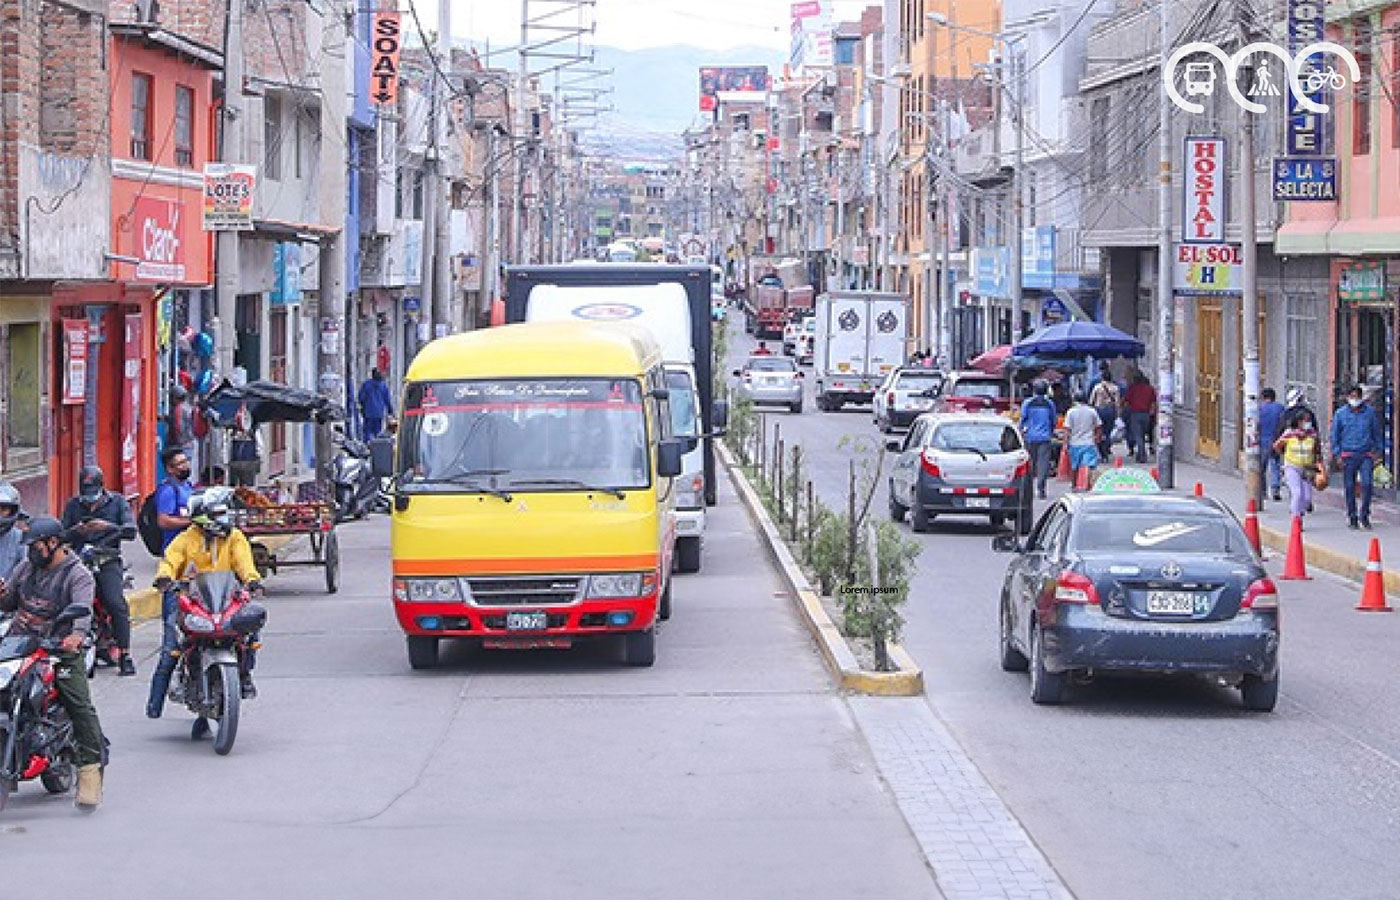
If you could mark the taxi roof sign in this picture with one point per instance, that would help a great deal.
(1126, 481)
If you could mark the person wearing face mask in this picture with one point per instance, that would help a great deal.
(1297, 449)
(173, 494)
(1356, 443)
(48, 581)
(99, 519)
(11, 532)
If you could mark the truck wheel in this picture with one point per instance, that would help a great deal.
(688, 554)
(834, 404)
(639, 648)
(422, 651)
(796, 407)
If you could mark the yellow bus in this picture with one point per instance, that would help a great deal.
(534, 505)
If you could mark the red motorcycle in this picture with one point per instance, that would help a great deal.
(36, 737)
(217, 621)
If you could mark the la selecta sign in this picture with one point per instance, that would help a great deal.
(1203, 206)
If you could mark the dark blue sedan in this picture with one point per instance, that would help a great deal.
(1143, 583)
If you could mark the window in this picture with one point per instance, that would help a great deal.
(140, 116)
(296, 143)
(1098, 138)
(1305, 314)
(846, 51)
(23, 383)
(272, 137)
(1361, 92)
(277, 368)
(417, 195)
(184, 126)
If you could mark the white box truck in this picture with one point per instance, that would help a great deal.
(665, 310)
(861, 336)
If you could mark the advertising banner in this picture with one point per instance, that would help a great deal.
(228, 196)
(384, 60)
(741, 80)
(1306, 130)
(812, 45)
(160, 246)
(1361, 280)
(991, 271)
(75, 357)
(1038, 257)
(1208, 269)
(1305, 179)
(1203, 185)
(131, 405)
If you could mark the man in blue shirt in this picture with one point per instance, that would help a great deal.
(173, 495)
(1270, 427)
(1356, 441)
(1037, 427)
(375, 404)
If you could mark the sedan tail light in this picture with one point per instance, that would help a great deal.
(1022, 471)
(1260, 595)
(889, 398)
(1073, 587)
(930, 466)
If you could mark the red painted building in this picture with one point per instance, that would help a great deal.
(111, 375)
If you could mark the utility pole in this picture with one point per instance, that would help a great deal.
(945, 297)
(332, 201)
(521, 124)
(1014, 55)
(1166, 303)
(446, 305)
(230, 150)
(928, 102)
(1249, 304)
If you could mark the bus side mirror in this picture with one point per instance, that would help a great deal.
(668, 458)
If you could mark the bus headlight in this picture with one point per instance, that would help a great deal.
(433, 590)
(623, 584)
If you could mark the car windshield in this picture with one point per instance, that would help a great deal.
(1118, 532)
(771, 364)
(982, 437)
(978, 387)
(683, 418)
(918, 382)
(513, 434)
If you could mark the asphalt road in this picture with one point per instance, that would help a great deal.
(731, 769)
(1150, 790)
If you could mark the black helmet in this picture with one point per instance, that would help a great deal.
(91, 483)
(1040, 386)
(43, 528)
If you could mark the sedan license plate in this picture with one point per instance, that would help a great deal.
(978, 502)
(527, 621)
(1171, 603)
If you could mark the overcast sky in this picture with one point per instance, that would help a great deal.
(634, 24)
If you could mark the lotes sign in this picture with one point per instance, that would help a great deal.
(228, 197)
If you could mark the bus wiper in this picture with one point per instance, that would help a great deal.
(971, 450)
(571, 482)
(470, 479)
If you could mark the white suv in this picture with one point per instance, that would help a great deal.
(903, 395)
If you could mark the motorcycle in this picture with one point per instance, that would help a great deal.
(101, 644)
(36, 737)
(217, 620)
(357, 491)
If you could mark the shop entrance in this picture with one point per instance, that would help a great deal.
(1208, 353)
(1365, 334)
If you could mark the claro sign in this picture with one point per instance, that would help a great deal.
(157, 228)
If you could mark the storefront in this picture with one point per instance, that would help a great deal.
(1364, 330)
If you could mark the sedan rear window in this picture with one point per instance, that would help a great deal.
(1144, 531)
(981, 437)
(993, 389)
(920, 382)
(772, 364)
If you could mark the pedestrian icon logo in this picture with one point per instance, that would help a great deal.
(1263, 84)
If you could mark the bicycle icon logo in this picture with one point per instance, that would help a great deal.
(1305, 79)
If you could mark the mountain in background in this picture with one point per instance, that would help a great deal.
(656, 96)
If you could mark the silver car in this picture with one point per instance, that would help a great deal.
(771, 380)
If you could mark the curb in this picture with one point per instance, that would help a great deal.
(836, 653)
(1329, 560)
(144, 603)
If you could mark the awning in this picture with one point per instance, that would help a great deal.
(1340, 237)
(297, 231)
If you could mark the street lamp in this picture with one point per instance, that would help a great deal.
(1016, 79)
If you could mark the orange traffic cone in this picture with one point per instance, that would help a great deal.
(1373, 587)
(1064, 472)
(1153, 473)
(1200, 489)
(1295, 567)
(1118, 462)
(1251, 527)
(1081, 479)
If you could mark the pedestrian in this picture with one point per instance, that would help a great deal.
(98, 521)
(375, 404)
(1037, 428)
(1140, 405)
(11, 530)
(173, 495)
(244, 450)
(1106, 400)
(1083, 427)
(762, 350)
(1356, 443)
(1271, 423)
(180, 426)
(1298, 448)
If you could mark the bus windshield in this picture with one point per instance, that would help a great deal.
(522, 435)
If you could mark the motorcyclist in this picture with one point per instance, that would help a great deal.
(48, 581)
(99, 519)
(11, 530)
(209, 544)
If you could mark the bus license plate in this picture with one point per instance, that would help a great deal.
(526, 621)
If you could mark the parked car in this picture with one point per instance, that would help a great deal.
(972, 391)
(771, 380)
(1139, 582)
(792, 334)
(807, 341)
(905, 393)
(961, 464)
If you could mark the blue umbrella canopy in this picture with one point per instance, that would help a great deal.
(1079, 339)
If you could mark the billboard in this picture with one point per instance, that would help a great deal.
(228, 196)
(716, 80)
(811, 34)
